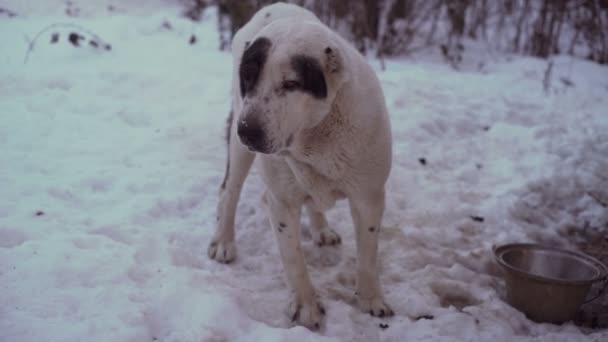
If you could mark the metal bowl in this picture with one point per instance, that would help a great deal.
(547, 284)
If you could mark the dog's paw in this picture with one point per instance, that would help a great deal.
(375, 306)
(326, 237)
(308, 313)
(221, 250)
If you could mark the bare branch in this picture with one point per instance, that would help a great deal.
(32, 43)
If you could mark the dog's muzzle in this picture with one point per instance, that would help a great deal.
(252, 135)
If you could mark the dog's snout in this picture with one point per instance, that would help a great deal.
(251, 133)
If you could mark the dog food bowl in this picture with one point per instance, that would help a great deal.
(548, 284)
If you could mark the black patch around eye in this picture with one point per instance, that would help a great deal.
(310, 76)
(252, 64)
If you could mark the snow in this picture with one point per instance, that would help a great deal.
(111, 163)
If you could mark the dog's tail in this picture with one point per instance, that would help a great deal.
(229, 126)
(227, 137)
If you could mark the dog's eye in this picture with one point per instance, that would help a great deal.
(291, 85)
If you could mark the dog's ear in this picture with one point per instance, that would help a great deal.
(333, 60)
(335, 68)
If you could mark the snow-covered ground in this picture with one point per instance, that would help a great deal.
(110, 165)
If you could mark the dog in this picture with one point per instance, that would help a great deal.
(311, 112)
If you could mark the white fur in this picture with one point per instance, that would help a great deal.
(341, 148)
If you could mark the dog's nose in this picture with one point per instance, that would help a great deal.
(252, 134)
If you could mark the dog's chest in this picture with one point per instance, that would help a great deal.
(322, 190)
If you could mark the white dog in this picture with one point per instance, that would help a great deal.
(308, 105)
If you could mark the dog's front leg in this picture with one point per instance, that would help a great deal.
(304, 307)
(222, 247)
(367, 210)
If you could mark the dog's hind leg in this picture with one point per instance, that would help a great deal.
(222, 247)
(322, 235)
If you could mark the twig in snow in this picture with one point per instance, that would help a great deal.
(477, 218)
(567, 82)
(96, 38)
(8, 12)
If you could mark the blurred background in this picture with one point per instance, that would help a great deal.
(537, 28)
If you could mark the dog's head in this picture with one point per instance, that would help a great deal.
(288, 82)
